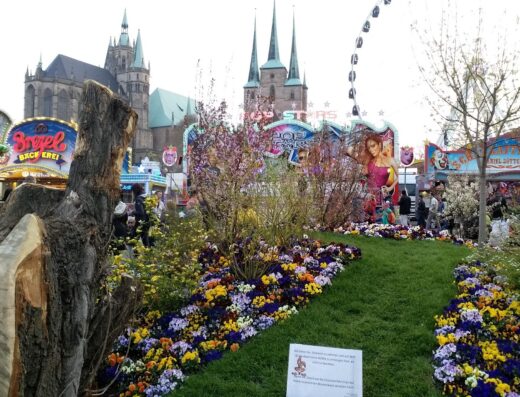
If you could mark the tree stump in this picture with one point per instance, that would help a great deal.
(57, 322)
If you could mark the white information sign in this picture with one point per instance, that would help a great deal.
(324, 371)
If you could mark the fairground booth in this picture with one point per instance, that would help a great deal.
(503, 169)
(376, 147)
(41, 150)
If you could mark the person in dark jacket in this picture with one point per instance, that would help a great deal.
(405, 205)
(142, 220)
(422, 212)
(119, 222)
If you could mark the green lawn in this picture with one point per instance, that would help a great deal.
(382, 304)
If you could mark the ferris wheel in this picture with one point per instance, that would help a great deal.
(354, 58)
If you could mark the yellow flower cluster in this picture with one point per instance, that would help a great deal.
(443, 339)
(230, 325)
(140, 334)
(313, 288)
(214, 293)
(191, 357)
(500, 388)
(269, 279)
(260, 301)
(442, 321)
(496, 314)
(289, 267)
(166, 363)
(491, 354)
(323, 265)
(514, 307)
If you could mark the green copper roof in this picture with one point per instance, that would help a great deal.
(273, 60)
(254, 75)
(294, 72)
(272, 64)
(293, 82)
(123, 38)
(252, 84)
(167, 108)
(138, 57)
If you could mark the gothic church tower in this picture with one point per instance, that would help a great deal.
(284, 88)
(126, 63)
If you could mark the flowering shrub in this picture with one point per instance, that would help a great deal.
(223, 313)
(169, 269)
(478, 335)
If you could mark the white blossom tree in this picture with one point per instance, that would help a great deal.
(475, 84)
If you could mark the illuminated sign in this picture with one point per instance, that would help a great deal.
(41, 143)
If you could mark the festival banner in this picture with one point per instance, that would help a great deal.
(504, 156)
(45, 144)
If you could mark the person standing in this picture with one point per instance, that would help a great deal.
(405, 205)
(159, 208)
(142, 220)
(433, 214)
(421, 211)
(388, 216)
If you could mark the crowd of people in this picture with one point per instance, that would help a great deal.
(133, 221)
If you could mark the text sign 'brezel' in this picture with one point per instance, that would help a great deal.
(324, 371)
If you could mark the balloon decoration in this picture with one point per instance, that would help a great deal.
(354, 59)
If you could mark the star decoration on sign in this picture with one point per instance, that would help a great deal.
(326, 104)
(240, 105)
(311, 105)
(364, 113)
(381, 113)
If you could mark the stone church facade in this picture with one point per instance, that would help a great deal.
(162, 115)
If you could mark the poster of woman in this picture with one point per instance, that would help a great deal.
(375, 150)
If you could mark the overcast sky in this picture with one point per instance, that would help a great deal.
(217, 35)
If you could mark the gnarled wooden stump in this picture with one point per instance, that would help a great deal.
(56, 320)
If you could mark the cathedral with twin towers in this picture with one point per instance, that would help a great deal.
(283, 88)
(163, 114)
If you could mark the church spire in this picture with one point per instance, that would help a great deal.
(273, 60)
(123, 38)
(254, 76)
(139, 57)
(124, 24)
(294, 72)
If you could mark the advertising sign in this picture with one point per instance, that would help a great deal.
(375, 149)
(169, 156)
(504, 156)
(41, 143)
(324, 371)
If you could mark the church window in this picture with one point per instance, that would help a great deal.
(63, 106)
(252, 95)
(47, 103)
(29, 101)
(292, 94)
(272, 76)
(123, 63)
(272, 92)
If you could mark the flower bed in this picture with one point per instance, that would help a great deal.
(399, 232)
(478, 336)
(153, 358)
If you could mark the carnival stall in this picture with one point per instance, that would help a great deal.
(41, 150)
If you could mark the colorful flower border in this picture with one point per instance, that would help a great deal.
(398, 232)
(153, 358)
(478, 336)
